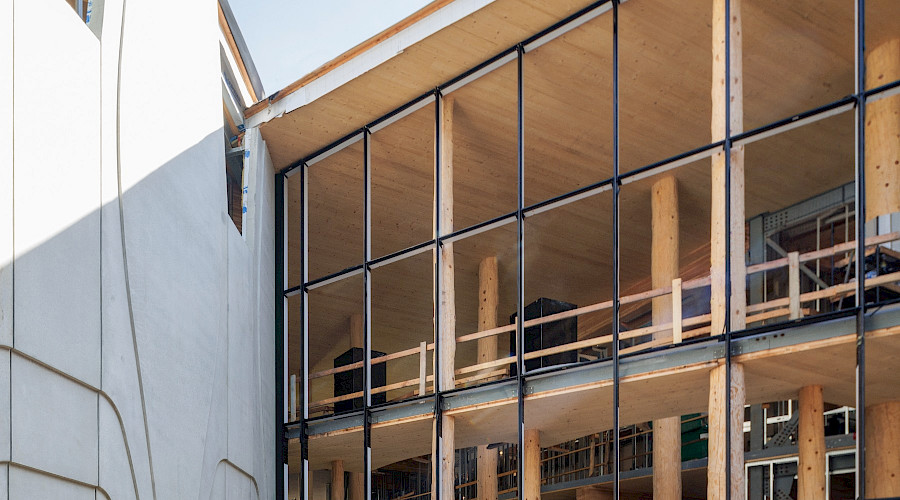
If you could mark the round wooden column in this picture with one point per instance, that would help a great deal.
(883, 133)
(531, 469)
(811, 444)
(883, 450)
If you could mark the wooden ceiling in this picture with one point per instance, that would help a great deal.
(797, 55)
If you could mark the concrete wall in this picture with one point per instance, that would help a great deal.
(136, 323)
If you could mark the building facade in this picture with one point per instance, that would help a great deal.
(135, 315)
(672, 195)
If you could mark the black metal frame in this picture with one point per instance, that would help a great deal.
(283, 291)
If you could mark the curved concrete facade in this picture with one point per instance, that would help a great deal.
(136, 322)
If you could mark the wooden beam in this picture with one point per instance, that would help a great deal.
(447, 292)
(445, 466)
(717, 397)
(811, 444)
(337, 480)
(718, 202)
(664, 266)
(531, 469)
(882, 129)
(883, 450)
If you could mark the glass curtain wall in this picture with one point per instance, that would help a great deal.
(479, 297)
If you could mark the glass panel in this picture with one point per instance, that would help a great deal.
(882, 42)
(403, 325)
(485, 450)
(402, 158)
(800, 198)
(336, 461)
(664, 236)
(485, 296)
(665, 76)
(401, 457)
(797, 56)
(292, 227)
(336, 341)
(484, 147)
(800, 393)
(568, 265)
(568, 111)
(335, 217)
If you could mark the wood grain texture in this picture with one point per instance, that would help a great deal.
(446, 466)
(811, 444)
(531, 469)
(337, 480)
(883, 134)
(487, 473)
(883, 450)
(447, 292)
(718, 394)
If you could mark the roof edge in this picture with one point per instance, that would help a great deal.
(392, 41)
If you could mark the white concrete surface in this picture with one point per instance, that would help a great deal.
(57, 182)
(6, 173)
(149, 319)
(54, 422)
(24, 483)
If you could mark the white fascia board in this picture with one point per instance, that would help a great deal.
(371, 58)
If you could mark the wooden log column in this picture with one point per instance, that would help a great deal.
(717, 416)
(487, 473)
(720, 227)
(355, 480)
(337, 480)
(355, 486)
(447, 292)
(445, 463)
(446, 331)
(811, 444)
(664, 268)
(883, 450)
(719, 224)
(488, 298)
(883, 133)
(531, 469)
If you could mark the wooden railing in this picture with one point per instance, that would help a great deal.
(667, 333)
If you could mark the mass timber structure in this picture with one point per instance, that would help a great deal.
(640, 249)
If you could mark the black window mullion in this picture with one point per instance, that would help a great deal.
(520, 278)
(615, 237)
(860, 250)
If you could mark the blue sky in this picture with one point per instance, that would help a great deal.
(290, 38)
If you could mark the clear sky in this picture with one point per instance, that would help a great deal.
(290, 38)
